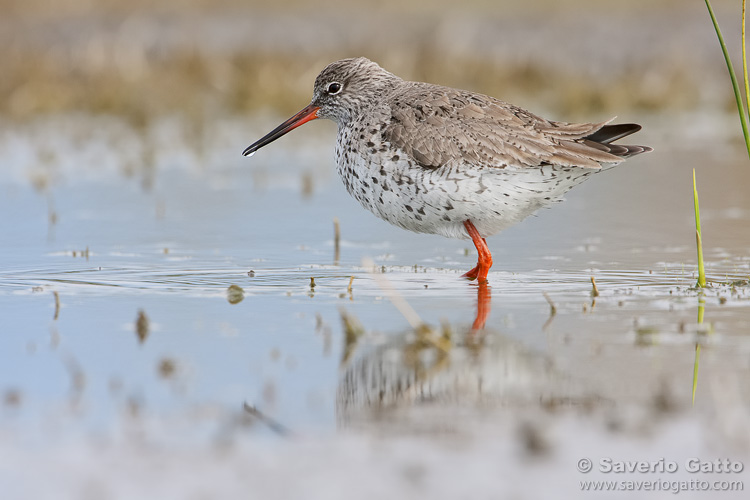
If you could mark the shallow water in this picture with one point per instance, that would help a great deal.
(111, 232)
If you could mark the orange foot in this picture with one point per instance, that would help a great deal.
(484, 260)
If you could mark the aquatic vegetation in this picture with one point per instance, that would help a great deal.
(698, 240)
(741, 109)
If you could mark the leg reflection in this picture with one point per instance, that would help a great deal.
(484, 299)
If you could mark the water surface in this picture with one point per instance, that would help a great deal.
(110, 230)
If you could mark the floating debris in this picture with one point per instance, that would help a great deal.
(77, 379)
(275, 354)
(534, 441)
(12, 398)
(166, 368)
(336, 240)
(308, 184)
(318, 322)
(235, 294)
(552, 307)
(81, 253)
(321, 328)
(552, 311)
(353, 330)
(595, 291)
(646, 336)
(664, 400)
(141, 326)
(57, 305)
(263, 418)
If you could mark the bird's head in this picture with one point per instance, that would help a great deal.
(342, 91)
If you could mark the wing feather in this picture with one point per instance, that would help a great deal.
(440, 126)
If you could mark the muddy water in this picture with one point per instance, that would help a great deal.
(154, 291)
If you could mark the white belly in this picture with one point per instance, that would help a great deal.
(439, 201)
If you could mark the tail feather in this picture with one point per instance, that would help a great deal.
(602, 140)
(611, 133)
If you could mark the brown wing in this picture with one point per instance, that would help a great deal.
(439, 126)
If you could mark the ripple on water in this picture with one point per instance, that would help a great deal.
(671, 281)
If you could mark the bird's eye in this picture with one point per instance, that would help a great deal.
(334, 88)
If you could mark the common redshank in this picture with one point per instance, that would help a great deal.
(439, 160)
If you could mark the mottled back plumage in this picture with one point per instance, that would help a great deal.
(438, 126)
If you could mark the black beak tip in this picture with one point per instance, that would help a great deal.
(307, 114)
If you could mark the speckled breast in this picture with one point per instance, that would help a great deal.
(438, 200)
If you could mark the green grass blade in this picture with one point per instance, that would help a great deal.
(698, 239)
(744, 59)
(733, 77)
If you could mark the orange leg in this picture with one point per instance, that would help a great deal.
(484, 260)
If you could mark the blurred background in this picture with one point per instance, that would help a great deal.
(154, 282)
(137, 59)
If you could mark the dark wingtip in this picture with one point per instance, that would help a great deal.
(603, 140)
(611, 133)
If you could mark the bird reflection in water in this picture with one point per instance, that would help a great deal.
(435, 372)
(484, 299)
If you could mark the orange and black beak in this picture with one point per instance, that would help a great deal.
(304, 116)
